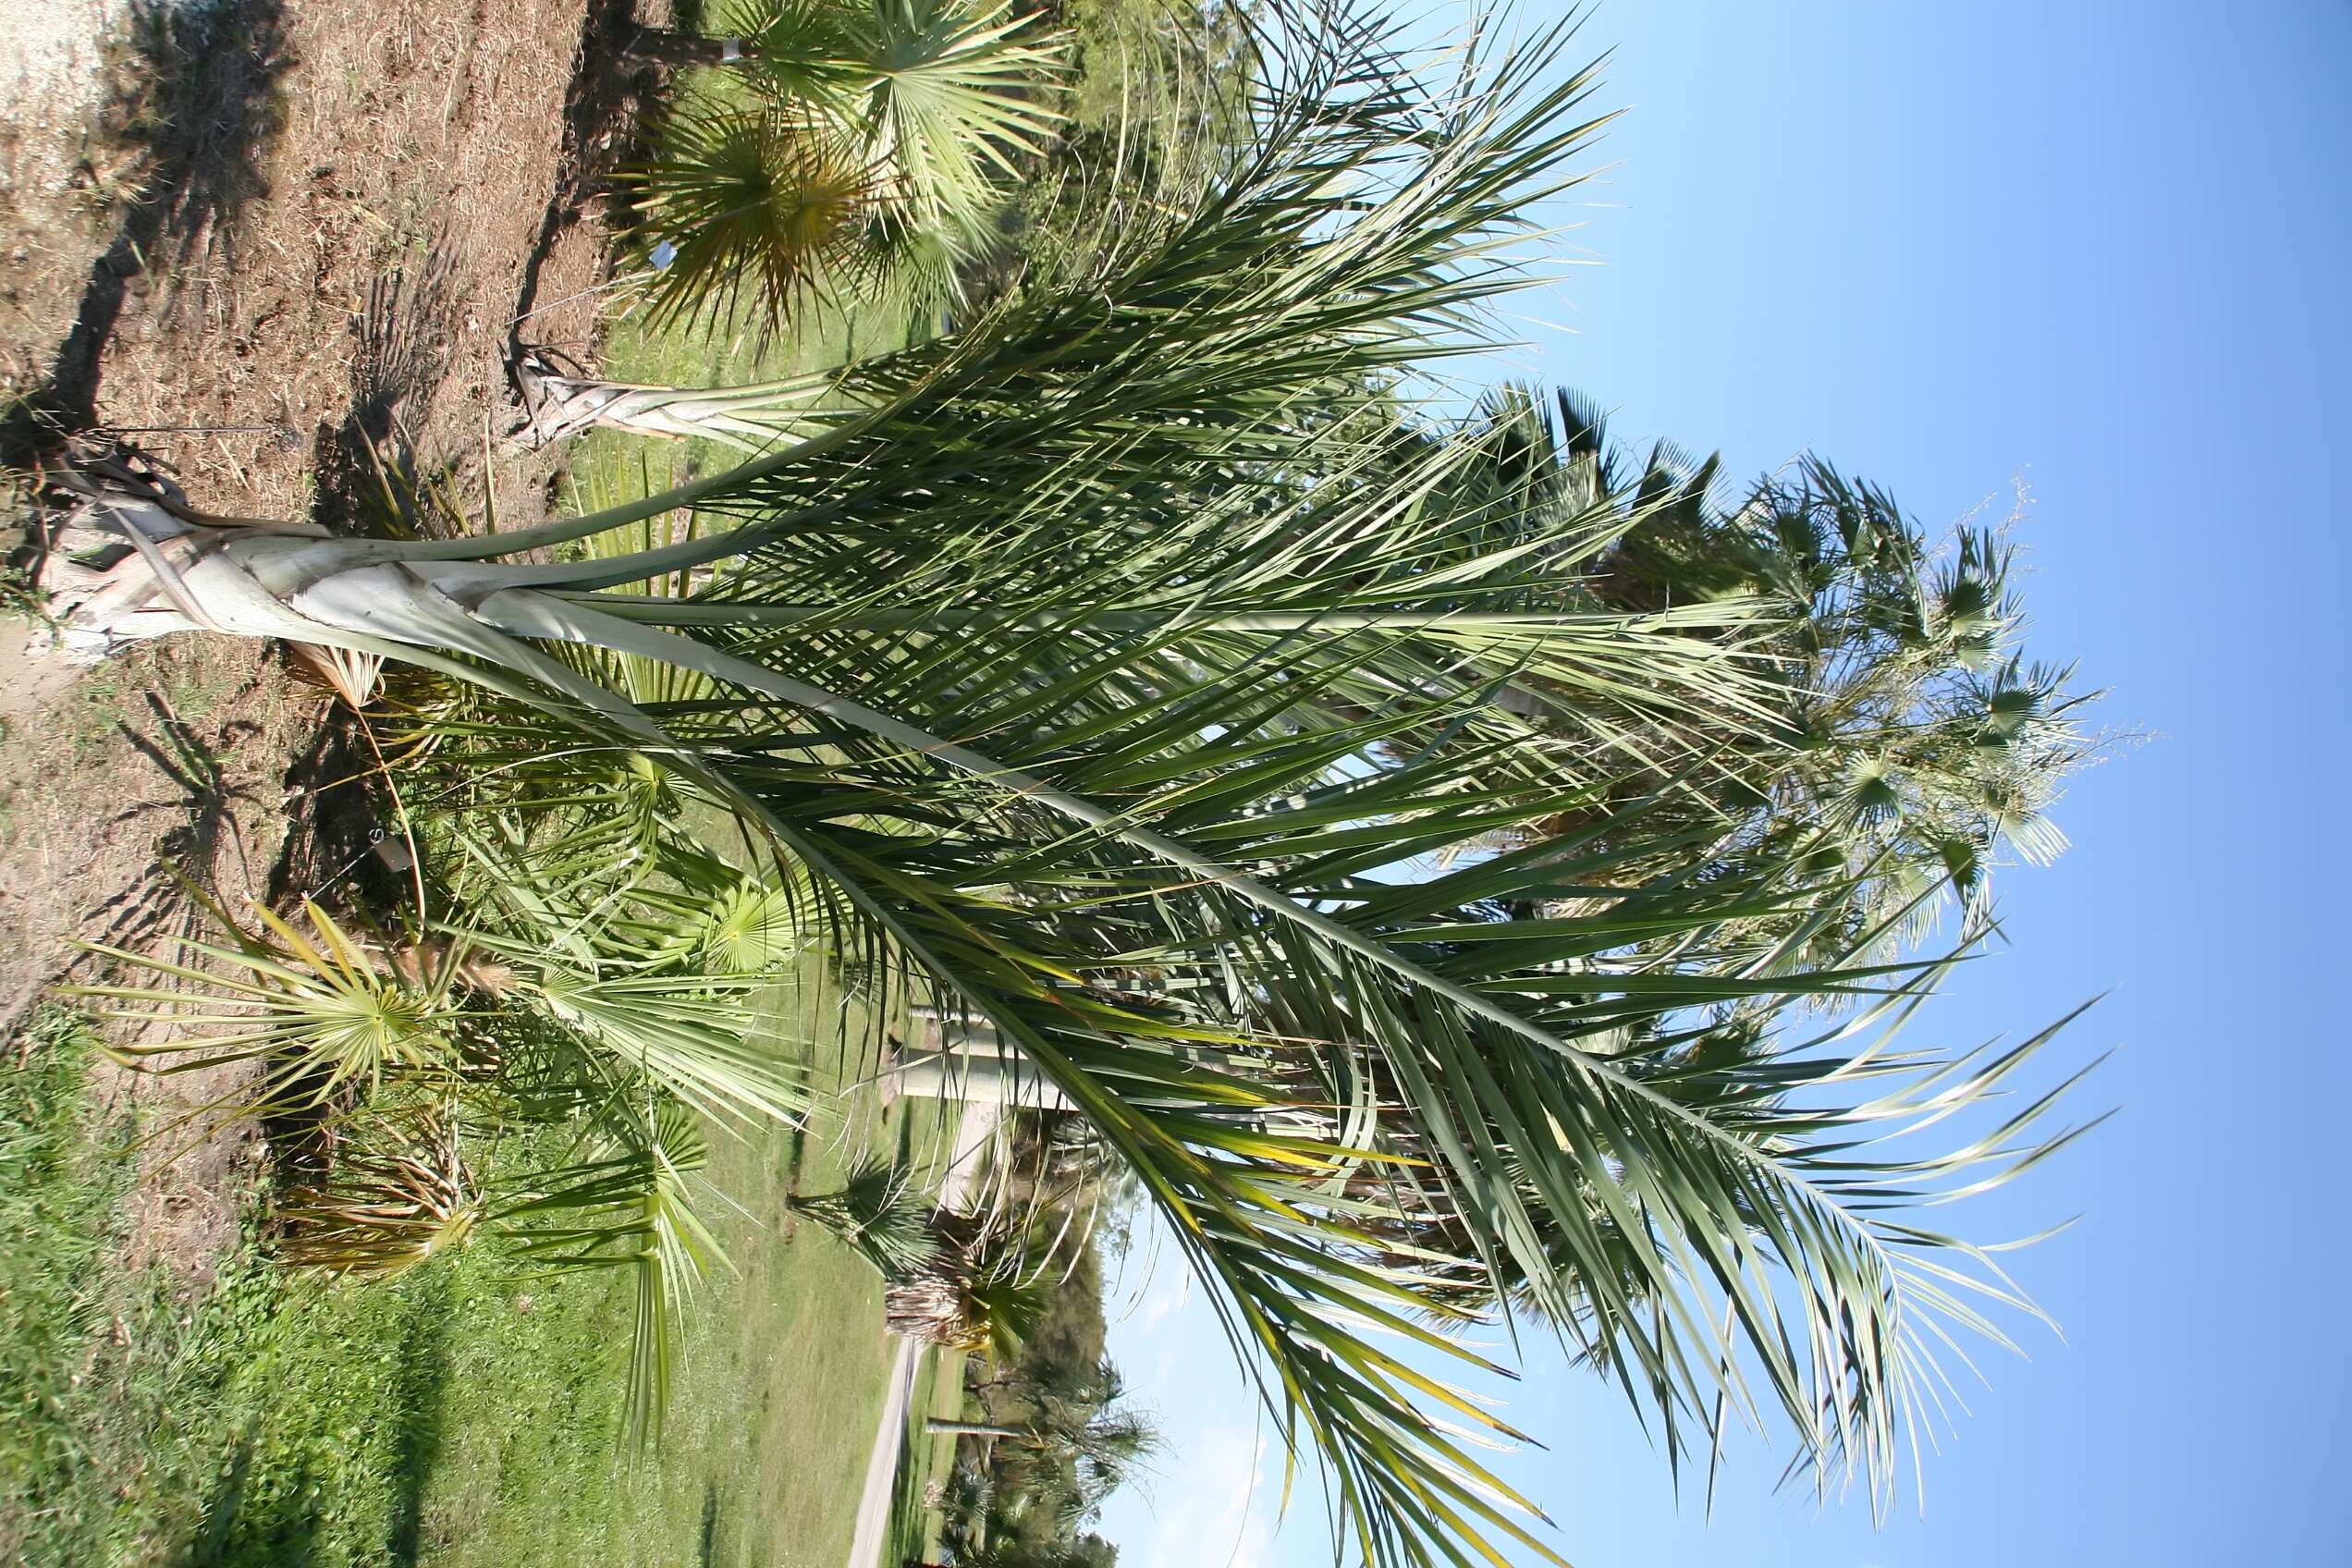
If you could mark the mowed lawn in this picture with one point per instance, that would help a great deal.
(774, 1407)
(462, 1415)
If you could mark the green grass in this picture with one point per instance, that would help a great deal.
(939, 1391)
(459, 1416)
(263, 1420)
(772, 1413)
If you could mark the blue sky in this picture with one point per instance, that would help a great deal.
(2102, 248)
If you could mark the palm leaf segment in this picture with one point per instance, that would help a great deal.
(1091, 676)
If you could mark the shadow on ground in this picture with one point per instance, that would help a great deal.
(198, 98)
(604, 113)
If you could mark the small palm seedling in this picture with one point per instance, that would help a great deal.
(319, 1013)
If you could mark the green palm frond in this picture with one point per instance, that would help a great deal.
(676, 1011)
(748, 929)
(959, 93)
(721, 921)
(627, 1204)
(871, 167)
(902, 267)
(878, 1210)
(318, 1011)
(755, 203)
(812, 54)
(1009, 1297)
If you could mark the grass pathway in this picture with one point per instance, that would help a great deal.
(975, 1132)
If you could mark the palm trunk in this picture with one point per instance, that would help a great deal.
(746, 418)
(934, 1308)
(667, 46)
(940, 1427)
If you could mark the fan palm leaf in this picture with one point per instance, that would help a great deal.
(754, 204)
(870, 167)
(318, 1011)
(958, 95)
(627, 1204)
(878, 1211)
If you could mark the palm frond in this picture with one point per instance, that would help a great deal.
(754, 203)
(878, 1211)
(317, 1011)
(677, 1013)
(959, 93)
(627, 1205)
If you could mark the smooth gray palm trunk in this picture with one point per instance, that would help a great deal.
(126, 567)
(557, 407)
(938, 1426)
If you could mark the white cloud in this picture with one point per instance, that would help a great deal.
(1219, 1504)
(1169, 1289)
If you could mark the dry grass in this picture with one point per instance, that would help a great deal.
(287, 228)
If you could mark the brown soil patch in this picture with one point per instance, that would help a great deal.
(306, 230)
(174, 753)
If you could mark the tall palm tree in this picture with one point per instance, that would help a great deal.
(1092, 673)
(1097, 1444)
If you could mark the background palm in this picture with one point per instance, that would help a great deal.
(860, 150)
(1913, 744)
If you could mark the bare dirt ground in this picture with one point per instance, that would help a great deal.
(262, 240)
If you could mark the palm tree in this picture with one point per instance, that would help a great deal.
(958, 1280)
(1053, 1463)
(1074, 1420)
(1915, 744)
(1091, 674)
(868, 163)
